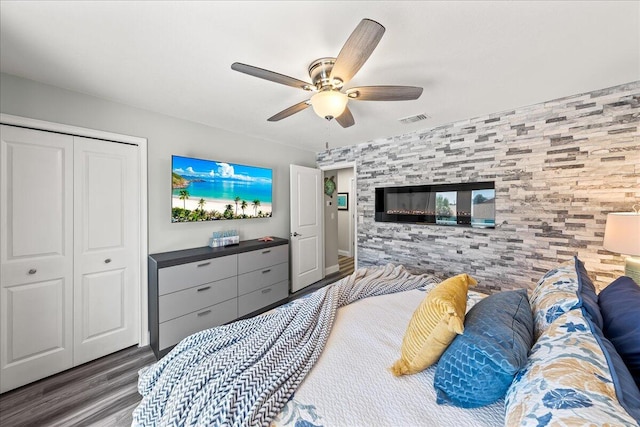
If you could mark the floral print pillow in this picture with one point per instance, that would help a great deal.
(566, 381)
(555, 294)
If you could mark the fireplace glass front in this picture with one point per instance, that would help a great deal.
(468, 204)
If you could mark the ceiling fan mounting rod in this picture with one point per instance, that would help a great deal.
(320, 73)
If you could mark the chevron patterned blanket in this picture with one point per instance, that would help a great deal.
(243, 373)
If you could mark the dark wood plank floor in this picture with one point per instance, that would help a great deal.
(99, 393)
(102, 393)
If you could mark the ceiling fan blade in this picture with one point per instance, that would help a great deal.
(271, 76)
(289, 111)
(346, 118)
(357, 49)
(384, 93)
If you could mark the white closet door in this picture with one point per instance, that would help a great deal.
(36, 255)
(106, 267)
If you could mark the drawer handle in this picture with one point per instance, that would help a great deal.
(266, 252)
(33, 271)
(204, 264)
(204, 313)
(266, 271)
(107, 261)
(204, 289)
(266, 291)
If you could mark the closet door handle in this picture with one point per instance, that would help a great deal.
(33, 271)
(204, 289)
(204, 313)
(107, 261)
(204, 264)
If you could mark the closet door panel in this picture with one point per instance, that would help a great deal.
(106, 248)
(103, 292)
(36, 255)
(35, 319)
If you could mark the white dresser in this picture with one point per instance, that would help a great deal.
(196, 289)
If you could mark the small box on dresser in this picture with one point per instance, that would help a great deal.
(195, 289)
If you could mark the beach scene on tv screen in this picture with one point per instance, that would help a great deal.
(206, 190)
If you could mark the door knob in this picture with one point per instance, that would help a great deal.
(296, 234)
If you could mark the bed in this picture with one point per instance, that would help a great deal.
(278, 370)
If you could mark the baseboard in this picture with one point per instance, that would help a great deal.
(343, 253)
(332, 269)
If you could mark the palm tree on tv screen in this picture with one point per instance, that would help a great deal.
(243, 206)
(201, 204)
(184, 195)
(228, 211)
(255, 205)
(237, 199)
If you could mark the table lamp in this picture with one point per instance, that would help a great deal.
(622, 235)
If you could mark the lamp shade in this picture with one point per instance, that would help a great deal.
(329, 103)
(622, 233)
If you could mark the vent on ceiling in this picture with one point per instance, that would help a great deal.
(413, 119)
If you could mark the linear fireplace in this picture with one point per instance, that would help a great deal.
(467, 205)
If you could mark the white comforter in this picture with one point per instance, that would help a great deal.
(243, 373)
(350, 385)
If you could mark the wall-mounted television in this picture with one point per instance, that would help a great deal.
(207, 190)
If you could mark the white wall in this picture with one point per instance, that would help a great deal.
(166, 136)
(345, 228)
(330, 226)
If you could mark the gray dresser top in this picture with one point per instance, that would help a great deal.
(168, 259)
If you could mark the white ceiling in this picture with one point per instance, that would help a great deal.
(472, 58)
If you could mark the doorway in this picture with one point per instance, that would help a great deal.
(340, 220)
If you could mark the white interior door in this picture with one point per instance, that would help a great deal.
(36, 255)
(307, 245)
(106, 267)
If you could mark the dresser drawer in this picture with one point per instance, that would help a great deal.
(179, 303)
(173, 331)
(179, 277)
(255, 260)
(262, 297)
(249, 282)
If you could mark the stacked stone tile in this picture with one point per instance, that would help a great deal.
(559, 167)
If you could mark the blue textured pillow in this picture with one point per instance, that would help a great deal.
(620, 307)
(479, 365)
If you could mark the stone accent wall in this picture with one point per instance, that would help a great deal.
(559, 167)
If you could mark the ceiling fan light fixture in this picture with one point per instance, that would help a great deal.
(329, 104)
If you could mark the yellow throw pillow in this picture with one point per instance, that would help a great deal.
(434, 325)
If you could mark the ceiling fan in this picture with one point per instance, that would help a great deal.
(329, 75)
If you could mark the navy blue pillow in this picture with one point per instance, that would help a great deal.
(627, 392)
(479, 365)
(620, 307)
(587, 293)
